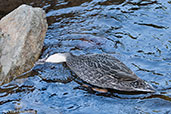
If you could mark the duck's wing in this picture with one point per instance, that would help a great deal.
(122, 76)
(97, 66)
(112, 66)
(107, 72)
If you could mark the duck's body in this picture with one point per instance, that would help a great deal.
(104, 71)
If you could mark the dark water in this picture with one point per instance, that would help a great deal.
(138, 32)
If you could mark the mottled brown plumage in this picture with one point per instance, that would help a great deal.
(102, 70)
(105, 71)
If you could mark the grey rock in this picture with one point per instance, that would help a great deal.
(9, 5)
(22, 35)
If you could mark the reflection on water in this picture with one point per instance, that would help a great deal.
(135, 31)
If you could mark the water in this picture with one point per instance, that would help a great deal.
(138, 32)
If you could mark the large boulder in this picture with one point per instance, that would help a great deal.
(8, 5)
(22, 34)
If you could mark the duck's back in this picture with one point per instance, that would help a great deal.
(103, 70)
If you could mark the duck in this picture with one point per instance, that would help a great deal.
(102, 71)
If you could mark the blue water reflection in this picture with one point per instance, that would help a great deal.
(138, 32)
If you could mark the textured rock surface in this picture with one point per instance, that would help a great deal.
(9, 5)
(22, 34)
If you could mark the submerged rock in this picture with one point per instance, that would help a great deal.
(22, 34)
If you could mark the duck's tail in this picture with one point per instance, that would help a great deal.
(55, 58)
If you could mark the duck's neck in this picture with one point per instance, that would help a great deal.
(57, 58)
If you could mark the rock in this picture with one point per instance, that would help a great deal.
(9, 5)
(22, 35)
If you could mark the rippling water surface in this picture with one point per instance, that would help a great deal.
(138, 32)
